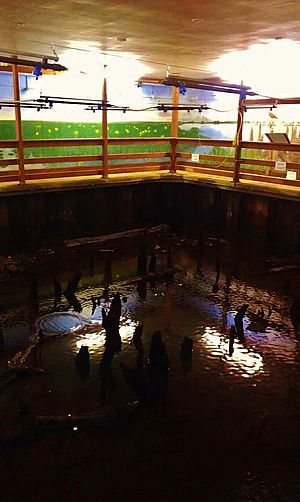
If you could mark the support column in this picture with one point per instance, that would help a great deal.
(19, 133)
(238, 140)
(174, 130)
(104, 131)
(175, 102)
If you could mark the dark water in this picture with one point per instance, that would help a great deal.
(241, 409)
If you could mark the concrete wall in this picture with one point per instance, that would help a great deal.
(45, 218)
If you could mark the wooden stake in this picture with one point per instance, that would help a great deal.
(19, 133)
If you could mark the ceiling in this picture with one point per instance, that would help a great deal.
(160, 33)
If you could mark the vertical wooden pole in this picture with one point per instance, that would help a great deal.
(19, 133)
(104, 131)
(174, 130)
(238, 140)
(175, 102)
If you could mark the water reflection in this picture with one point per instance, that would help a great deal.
(92, 340)
(243, 361)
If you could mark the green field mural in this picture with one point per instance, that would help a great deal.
(76, 130)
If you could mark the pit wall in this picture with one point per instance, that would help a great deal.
(31, 220)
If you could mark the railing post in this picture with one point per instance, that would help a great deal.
(104, 131)
(174, 130)
(175, 102)
(19, 133)
(173, 152)
(238, 139)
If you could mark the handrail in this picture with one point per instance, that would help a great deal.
(174, 158)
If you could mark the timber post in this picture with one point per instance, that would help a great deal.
(19, 132)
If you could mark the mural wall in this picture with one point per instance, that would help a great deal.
(66, 121)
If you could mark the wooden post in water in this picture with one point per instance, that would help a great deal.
(174, 130)
(238, 139)
(19, 133)
(104, 130)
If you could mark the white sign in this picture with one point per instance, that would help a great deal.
(195, 157)
(280, 166)
(291, 175)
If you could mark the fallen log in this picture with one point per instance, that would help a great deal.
(83, 241)
(110, 419)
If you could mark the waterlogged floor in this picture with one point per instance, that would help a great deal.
(231, 421)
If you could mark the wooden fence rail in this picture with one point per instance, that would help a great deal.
(175, 157)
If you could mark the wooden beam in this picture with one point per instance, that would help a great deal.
(19, 133)
(174, 130)
(259, 145)
(52, 143)
(206, 141)
(67, 158)
(238, 140)
(271, 102)
(133, 141)
(173, 149)
(175, 102)
(104, 131)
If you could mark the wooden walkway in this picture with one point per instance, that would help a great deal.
(221, 182)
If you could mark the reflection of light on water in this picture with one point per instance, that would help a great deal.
(97, 338)
(91, 339)
(127, 330)
(242, 359)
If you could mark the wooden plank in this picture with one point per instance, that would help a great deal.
(19, 132)
(9, 176)
(8, 143)
(269, 163)
(67, 158)
(186, 155)
(52, 143)
(272, 101)
(257, 162)
(104, 132)
(269, 179)
(139, 167)
(205, 170)
(205, 142)
(260, 145)
(61, 174)
(150, 155)
(100, 239)
(65, 169)
(133, 141)
(9, 162)
(198, 165)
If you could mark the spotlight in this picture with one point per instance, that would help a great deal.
(37, 71)
(182, 88)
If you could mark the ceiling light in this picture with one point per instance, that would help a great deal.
(121, 39)
(197, 20)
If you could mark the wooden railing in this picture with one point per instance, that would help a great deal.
(175, 156)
